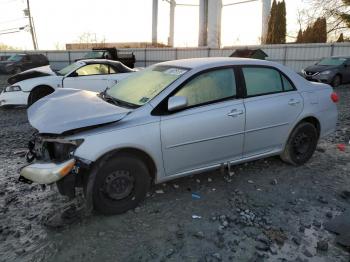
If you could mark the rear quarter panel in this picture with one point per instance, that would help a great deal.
(318, 103)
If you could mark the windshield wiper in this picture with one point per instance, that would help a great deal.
(110, 99)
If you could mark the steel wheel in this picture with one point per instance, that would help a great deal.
(301, 144)
(118, 185)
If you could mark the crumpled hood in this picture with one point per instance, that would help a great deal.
(68, 109)
(319, 68)
(31, 73)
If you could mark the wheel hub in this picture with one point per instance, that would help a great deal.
(118, 185)
(301, 144)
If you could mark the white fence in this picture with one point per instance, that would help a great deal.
(295, 56)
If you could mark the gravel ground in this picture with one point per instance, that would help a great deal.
(263, 211)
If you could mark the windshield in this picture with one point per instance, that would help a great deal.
(332, 61)
(142, 86)
(70, 68)
(94, 54)
(15, 58)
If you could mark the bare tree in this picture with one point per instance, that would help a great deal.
(88, 39)
(7, 47)
(332, 10)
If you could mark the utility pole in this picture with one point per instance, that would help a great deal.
(31, 27)
(154, 23)
(171, 24)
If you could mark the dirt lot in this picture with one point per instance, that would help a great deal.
(264, 211)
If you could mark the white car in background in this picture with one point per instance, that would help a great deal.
(92, 75)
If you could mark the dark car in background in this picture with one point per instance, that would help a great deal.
(332, 70)
(21, 62)
(111, 53)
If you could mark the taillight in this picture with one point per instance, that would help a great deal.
(335, 97)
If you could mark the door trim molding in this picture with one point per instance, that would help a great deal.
(266, 127)
(204, 140)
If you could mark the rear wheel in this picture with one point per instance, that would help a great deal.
(38, 93)
(337, 81)
(120, 184)
(301, 144)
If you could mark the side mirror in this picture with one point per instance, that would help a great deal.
(177, 103)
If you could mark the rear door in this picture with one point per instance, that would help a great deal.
(210, 130)
(91, 77)
(272, 105)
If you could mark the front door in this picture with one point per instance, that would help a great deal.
(91, 77)
(272, 106)
(210, 130)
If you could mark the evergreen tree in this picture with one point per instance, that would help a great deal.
(271, 24)
(277, 26)
(300, 38)
(282, 23)
(341, 38)
(316, 33)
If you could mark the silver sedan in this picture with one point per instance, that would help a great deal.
(174, 119)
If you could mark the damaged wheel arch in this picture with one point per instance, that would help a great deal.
(39, 92)
(132, 154)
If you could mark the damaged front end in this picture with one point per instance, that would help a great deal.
(51, 161)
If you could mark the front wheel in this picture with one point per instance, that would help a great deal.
(120, 184)
(301, 144)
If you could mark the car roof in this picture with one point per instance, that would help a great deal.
(116, 64)
(100, 61)
(195, 63)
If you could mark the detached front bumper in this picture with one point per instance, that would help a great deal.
(47, 173)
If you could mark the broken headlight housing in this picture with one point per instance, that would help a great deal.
(57, 150)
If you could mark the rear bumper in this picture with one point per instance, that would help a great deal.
(47, 173)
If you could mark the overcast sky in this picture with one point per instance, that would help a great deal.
(63, 21)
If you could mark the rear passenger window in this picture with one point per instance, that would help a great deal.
(260, 80)
(287, 85)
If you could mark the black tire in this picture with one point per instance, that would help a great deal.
(111, 193)
(301, 144)
(38, 93)
(337, 81)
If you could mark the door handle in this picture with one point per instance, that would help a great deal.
(235, 112)
(293, 102)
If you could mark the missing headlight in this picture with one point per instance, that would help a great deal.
(62, 150)
(55, 149)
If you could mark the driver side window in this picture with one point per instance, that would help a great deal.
(209, 87)
(93, 69)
